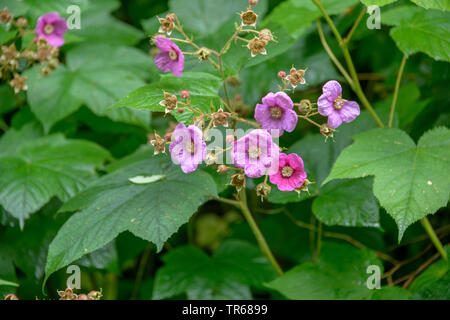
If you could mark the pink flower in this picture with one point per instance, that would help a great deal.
(256, 153)
(52, 28)
(187, 147)
(290, 174)
(170, 58)
(276, 114)
(331, 105)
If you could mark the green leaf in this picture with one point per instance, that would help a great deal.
(8, 101)
(395, 16)
(431, 275)
(95, 82)
(35, 168)
(113, 205)
(7, 271)
(340, 273)
(379, 3)
(189, 270)
(426, 31)
(5, 34)
(433, 4)
(349, 203)
(203, 88)
(410, 181)
(391, 293)
(437, 290)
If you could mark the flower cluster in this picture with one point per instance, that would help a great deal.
(254, 154)
(49, 31)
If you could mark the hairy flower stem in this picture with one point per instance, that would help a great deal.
(348, 59)
(397, 87)
(258, 234)
(434, 238)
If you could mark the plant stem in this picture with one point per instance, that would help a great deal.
(225, 89)
(258, 234)
(249, 122)
(319, 240)
(434, 238)
(348, 59)
(355, 25)
(140, 272)
(397, 87)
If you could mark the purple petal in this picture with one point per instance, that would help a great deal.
(289, 120)
(324, 106)
(349, 111)
(332, 89)
(334, 120)
(283, 100)
(163, 62)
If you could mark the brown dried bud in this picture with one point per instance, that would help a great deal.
(95, 295)
(67, 294)
(256, 46)
(199, 121)
(185, 94)
(248, 18)
(21, 23)
(295, 77)
(46, 71)
(233, 81)
(83, 297)
(263, 190)
(281, 74)
(170, 102)
(19, 83)
(168, 136)
(220, 118)
(46, 52)
(53, 64)
(5, 16)
(203, 54)
(167, 24)
(238, 180)
(29, 55)
(304, 187)
(9, 54)
(158, 143)
(266, 35)
(326, 131)
(11, 296)
(222, 169)
(211, 159)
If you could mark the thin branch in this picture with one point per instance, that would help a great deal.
(397, 87)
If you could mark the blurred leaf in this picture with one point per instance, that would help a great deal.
(391, 293)
(7, 271)
(8, 100)
(410, 181)
(426, 31)
(5, 34)
(379, 3)
(96, 82)
(189, 270)
(340, 273)
(113, 204)
(431, 275)
(433, 4)
(104, 258)
(36, 169)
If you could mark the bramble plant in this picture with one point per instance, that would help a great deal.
(242, 106)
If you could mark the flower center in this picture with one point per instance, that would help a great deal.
(190, 147)
(338, 103)
(254, 152)
(287, 171)
(173, 55)
(49, 28)
(276, 112)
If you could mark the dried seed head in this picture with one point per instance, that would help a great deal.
(220, 118)
(248, 18)
(46, 52)
(28, 55)
(19, 83)
(304, 187)
(185, 94)
(170, 102)
(11, 296)
(21, 23)
(304, 106)
(46, 71)
(5, 16)
(256, 46)
(263, 190)
(203, 54)
(67, 294)
(238, 180)
(222, 169)
(326, 131)
(158, 143)
(167, 24)
(296, 77)
(233, 81)
(9, 54)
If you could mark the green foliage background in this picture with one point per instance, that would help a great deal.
(70, 144)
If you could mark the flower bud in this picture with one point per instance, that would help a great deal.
(83, 297)
(281, 74)
(252, 2)
(304, 106)
(11, 296)
(238, 180)
(184, 94)
(45, 71)
(222, 169)
(266, 35)
(95, 295)
(220, 118)
(233, 81)
(168, 136)
(248, 18)
(180, 110)
(229, 139)
(21, 23)
(211, 159)
(263, 190)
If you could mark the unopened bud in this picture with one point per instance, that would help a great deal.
(222, 169)
(83, 297)
(229, 138)
(266, 35)
(95, 295)
(21, 23)
(252, 2)
(233, 81)
(11, 296)
(184, 94)
(211, 159)
(281, 74)
(180, 110)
